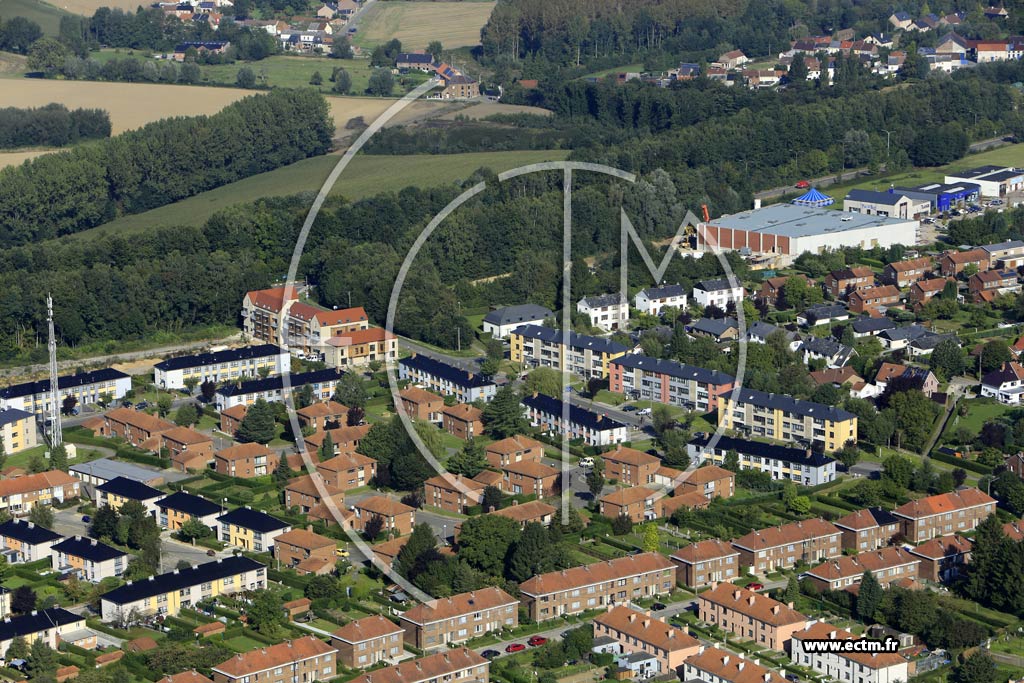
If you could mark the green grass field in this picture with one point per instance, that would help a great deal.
(367, 175)
(626, 68)
(44, 14)
(416, 24)
(979, 412)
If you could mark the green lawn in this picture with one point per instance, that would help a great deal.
(243, 644)
(46, 15)
(366, 176)
(979, 412)
(627, 68)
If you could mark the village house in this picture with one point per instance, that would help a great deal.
(943, 559)
(133, 426)
(463, 421)
(887, 565)
(250, 529)
(944, 514)
(460, 87)
(22, 541)
(987, 285)
(342, 440)
(305, 659)
(718, 329)
(1005, 255)
(175, 510)
(922, 291)
(905, 273)
(1006, 384)
(187, 448)
(584, 356)
(578, 589)
(639, 632)
(445, 379)
(531, 479)
(452, 492)
(840, 283)
(88, 559)
(120, 490)
(705, 563)
(19, 495)
(822, 314)
(848, 667)
(359, 348)
(608, 312)
(654, 300)
(710, 481)
(871, 327)
(874, 300)
(835, 354)
(868, 529)
(361, 643)
(396, 517)
(514, 449)
(629, 466)
(321, 416)
(530, 511)
(782, 547)
(718, 293)
(305, 552)
(802, 465)
(907, 375)
(456, 619)
(501, 322)
(837, 377)
(308, 492)
(733, 59)
(722, 666)
(420, 404)
(231, 418)
(454, 666)
(773, 289)
(750, 615)
(952, 263)
(246, 461)
(638, 503)
(347, 471)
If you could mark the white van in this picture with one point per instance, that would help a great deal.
(587, 462)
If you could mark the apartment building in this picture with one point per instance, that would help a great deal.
(168, 593)
(48, 625)
(421, 404)
(261, 311)
(88, 559)
(848, 667)
(629, 466)
(750, 615)
(534, 346)
(445, 379)
(452, 492)
(840, 283)
(718, 293)
(710, 481)
(636, 502)
(922, 291)
(874, 300)
(359, 348)
(952, 263)
(87, 387)
(133, 426)
(463, 421)
(309, 493)
(943, 559)
(22, 541)
(608, 312)
(514, 449)
(988, 285)
(531, 479)
(1006, 384)
(905, 273)
(246, 461)
(639, 632)
(593, 586)
(705, 563)
(17, 430)
(593, 428)
(868, 529)
(273, 389)
(784, 418)
(268, 316)
(343, 440)
(886, 564)
(802, 465)
(175, 510)
(396, 517)
(347, 471)
(944, 514)
(453, 666)
(250, 529)
(321, 416)
(305, 552)
(221, 366)
(654, 300)
(501, 322)
(303, 659)
(446, 621)
(782, 547)
(667, 381)
(713, 665)
(364, 642)
(120, 490)
(19, 495)
(1005, 255)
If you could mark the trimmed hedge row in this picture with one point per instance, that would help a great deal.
(969, 465)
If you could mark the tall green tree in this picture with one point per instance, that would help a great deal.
(531, 555)
(422, 542)
(484, 542)
(869, 597)
(469, 461)
(503, 416)
(258, 425)
(351, 391)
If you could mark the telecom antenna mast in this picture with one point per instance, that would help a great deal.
(56, 435)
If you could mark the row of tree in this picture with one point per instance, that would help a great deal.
(53, 125)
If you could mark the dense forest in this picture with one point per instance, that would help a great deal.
(51, 126)
(165, 161)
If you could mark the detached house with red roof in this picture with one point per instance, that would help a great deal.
(320, 416)
(944, 514)
(530, 478)
(711, 481)
(452, 492)
(952, 263)
(629, 466)
(396, 516)
(515, 449)
(987, 285)
(305, 552)
(874, 300)
(922, 291)
(459, 618)
(1006, 384)
(421, 404)
(639, 503)
(905, 273)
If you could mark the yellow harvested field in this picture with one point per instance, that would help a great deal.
(485, 109)
(15, 158)
(455, 24)
(344, 109)
(89, 7)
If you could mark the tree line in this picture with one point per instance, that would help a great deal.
(53, 125)
(162, 162)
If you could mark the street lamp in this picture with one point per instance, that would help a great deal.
(887, 134)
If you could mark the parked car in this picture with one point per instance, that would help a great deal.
(141, 405)
(211, 552)
(341, 552)
(515, 647)
(490, 654)
(126, 403)
(755, 586)
(996, 202)
(803, 185)
(534, 641)
(587, 462)
(792, 677)
(628, 409)
(928, 221)
(644, 411)
(658, 606)
(86, 518)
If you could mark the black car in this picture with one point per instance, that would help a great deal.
(658, 606)
(628, 409)
(490, 654)
(792, 677)
(141, 405)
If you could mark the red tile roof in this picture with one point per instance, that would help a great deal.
(730, 668)
(367, 628)
(438, 666)
(647, 629)
(711, 549)
(822, 631)
(938, 548)
(599, 572)
(262, 659)
(944, 502)
(458, 605)
(874, 561)
(751, 604)
(794, 532)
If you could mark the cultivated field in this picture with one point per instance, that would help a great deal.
(46, 15)
(12, 65)
(15, 158)
(455, 24)
(366, 175)
(484, 109)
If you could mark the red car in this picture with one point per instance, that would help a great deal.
(537, 640)
(803, 185)
(755, 586)
(515, 647)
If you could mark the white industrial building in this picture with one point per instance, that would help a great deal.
(994, 181)
(790, 230)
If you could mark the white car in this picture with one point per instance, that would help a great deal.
(644, 411)
(587, 462)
